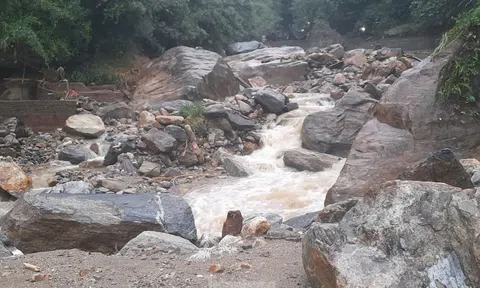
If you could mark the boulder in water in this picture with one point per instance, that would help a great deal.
(256, 227)
(302, 222)
(86, 125)
(405, 234)
(235, 168)
(333, 131)
(271, 101)
(308, 160)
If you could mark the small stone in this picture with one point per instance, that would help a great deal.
(216, 268)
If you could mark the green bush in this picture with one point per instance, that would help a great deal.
(194, 110)
(463, 73)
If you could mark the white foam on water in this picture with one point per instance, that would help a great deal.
(272, 187)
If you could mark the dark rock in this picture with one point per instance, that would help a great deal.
(116, 111)
(177, 217)
(290, 107)
(119, 147)
(373, 91)
(177, 132)
(222, 124)
(158, 141)
(96, 223)
(302, 222)
(270, 100)
(4, 239)
(240, 122)
(308, 160)
(333, 131)
(75, 154)
(233, 224)
(4, 252)
(410, 234)
(441, 166)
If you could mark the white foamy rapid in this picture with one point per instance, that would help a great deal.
(272, 187)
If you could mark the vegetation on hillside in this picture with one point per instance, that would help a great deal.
(77, 33)
(380, 15)
(462, 79)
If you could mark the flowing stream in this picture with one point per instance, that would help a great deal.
(272, 187)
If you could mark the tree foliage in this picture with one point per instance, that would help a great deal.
(74, 31)
(346, 15)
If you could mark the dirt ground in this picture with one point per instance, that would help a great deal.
(277, 265)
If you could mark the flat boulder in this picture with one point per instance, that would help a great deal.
(239, 122)
(304, 160)
(85, 125)
(157, 242)
(96, 223)
(158, 141)
(402, 234)
(409, 124)
(184, 73)
(277, 65)
(333, 131)
(13, 180)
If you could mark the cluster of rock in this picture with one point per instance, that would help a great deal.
(404, 211)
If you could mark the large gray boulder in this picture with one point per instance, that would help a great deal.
(409, 124)
(235, 168)
(333, 131)
(158, 141)
(402, 235)
(184, 73)
(157, 242)
(308, 160)
(243, 47)
(115, 111)
(277, 65)
(97, 223)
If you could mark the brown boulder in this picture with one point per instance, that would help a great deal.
(408, 126)
(184, 73)
(13, 180)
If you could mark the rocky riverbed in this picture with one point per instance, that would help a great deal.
(229, 186)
